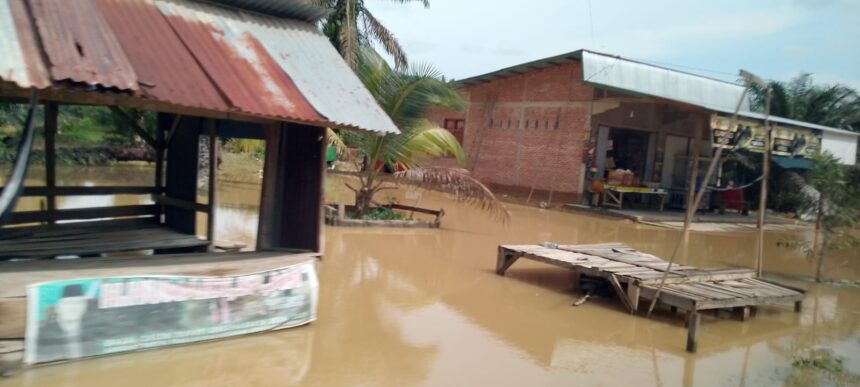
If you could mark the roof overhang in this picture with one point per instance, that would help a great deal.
(183, 55)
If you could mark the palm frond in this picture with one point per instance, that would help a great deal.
(420, 144)
(386, 38)
(333, 139)
(460, 183)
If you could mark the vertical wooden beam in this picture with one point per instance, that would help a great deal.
(798, 306)
(695, 319)
(743, 313)
(213, 186)
(181, 173)
(291, 207)
(694, 172)
(159, 155)
(633, 296)
(762, 200)
(504, 260)
(51, 114)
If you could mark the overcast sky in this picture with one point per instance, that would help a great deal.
(774, 39)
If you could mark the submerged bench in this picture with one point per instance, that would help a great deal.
(92, 238)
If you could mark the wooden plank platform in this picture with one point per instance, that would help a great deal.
(635, 276)
(15, 276)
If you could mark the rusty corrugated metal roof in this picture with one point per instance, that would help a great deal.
(20, 62)
(319, 72)
(188, 53)
(80, 46)
(236, 62)
(142, 30)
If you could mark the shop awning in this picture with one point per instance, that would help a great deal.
(792, 163)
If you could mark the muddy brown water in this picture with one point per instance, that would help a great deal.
(423, 307)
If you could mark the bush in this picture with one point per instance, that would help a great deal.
(382, 213)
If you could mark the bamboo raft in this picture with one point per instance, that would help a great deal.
(635, 276)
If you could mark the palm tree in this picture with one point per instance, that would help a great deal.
(830, 105)
(350, 26)
(406, 96)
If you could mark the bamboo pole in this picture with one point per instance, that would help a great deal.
(51, 114)
(762, 200)
(213, 169)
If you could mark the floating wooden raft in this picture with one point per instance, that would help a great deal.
(636, 275)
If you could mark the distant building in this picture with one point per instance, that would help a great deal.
(560, 122)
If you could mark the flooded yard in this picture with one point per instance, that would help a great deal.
(424, 307)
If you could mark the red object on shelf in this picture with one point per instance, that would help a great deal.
(734, 199)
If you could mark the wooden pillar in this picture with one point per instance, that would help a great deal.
(292, 196)
(694, 320)
(762, 200)
(694, 172)
(182, 168)
(798, 306)
(504, 260)
(213, 185)
(51, 113)
(633, 296)
(159, 155)
(743, 313)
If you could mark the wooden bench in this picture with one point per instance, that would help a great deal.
(92, 238)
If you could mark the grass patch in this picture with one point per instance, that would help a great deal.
(820, 367)
(381, 213)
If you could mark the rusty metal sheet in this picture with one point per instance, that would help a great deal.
(319, 72)
(165, 69)
(236, 62)
(20, 61)
(80, 45)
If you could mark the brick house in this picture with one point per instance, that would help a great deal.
(558, 123)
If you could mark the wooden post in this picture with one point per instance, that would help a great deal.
(633, 296)
(798, 306)
(504, 260)
(694, 172)
(159, 156)
(765, 173)
(341, 211)
(291, 207)
(51, 113)
(694, 320)
(744, 313)
(182, 171)
(213, 186)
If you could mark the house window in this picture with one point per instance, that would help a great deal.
(457, 126)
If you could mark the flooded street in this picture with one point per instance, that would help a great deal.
(406, 307)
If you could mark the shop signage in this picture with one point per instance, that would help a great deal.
(98, 316)
(751, 134)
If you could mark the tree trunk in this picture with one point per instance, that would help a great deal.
(819, 246)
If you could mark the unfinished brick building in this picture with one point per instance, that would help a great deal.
(558, 123)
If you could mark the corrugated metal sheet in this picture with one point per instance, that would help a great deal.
(292, 9)
(319, 72)
(164, 66)
(623, 74)
(235, 61)
(19, 56)
(80, 45)
(188, 53)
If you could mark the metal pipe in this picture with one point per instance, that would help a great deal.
(15, 184)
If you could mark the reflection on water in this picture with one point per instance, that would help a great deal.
(409, 307)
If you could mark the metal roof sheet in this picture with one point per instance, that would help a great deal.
(293, 9)
(641, 78)
(236, 61)
(80, 45)
(188, 53)
(141, 31)
(320, 73)
(18, 46)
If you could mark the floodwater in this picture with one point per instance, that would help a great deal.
(407, 307)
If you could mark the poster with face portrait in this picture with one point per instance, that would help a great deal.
(98, 316)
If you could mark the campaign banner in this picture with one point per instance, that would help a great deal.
(98, 316)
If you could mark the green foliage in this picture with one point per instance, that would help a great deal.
(381, 213)
(246, 145)
(831, 105)
(820, 367)
(350, 26)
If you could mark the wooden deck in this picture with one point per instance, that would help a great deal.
(635, 276)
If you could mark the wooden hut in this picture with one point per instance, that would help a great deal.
(236, 68)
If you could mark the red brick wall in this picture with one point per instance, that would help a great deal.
(540, 123)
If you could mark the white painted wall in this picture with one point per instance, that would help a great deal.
(843, 146)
